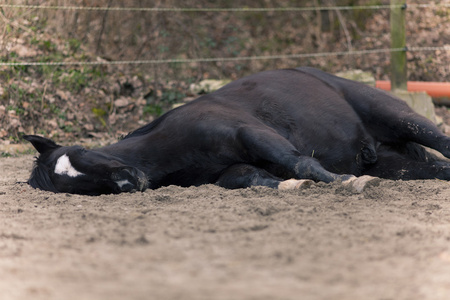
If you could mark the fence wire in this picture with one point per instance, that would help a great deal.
(227, 59)
(224, 59)
(212, 9)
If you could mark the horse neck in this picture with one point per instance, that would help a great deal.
(136, 151)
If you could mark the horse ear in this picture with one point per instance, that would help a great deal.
(41, 144)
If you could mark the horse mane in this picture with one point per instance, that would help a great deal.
(149, 127)
(40, 177)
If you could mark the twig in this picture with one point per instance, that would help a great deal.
(99, 41)
(43, 95)
(344, 28)
(14, 23)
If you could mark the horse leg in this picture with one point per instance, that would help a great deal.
(265, 144)
(394, 165)
(394, 122)
(244, 175)
(389, 119)
(422, 131)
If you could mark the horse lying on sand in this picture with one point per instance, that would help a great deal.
(279, 129)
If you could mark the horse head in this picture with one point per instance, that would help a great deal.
(80, 171)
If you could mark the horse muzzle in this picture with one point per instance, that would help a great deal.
(130, 180)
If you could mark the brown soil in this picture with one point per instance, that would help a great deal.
(390, 242)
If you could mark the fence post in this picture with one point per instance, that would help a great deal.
(398, 40)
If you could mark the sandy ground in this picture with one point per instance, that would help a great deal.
(326, 242)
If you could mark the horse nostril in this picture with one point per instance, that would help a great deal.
(130, 180)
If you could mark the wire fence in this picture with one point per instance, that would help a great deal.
(236, 9)
(101, 61)
(225, 59)
(144, 70)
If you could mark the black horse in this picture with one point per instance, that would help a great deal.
(259, 130)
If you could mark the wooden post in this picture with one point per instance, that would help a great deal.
(398, 40)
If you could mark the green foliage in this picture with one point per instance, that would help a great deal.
(163, 48)
(67, 128)
(22, 99)
(53, 108)
(75, 80)
(171, 96)
(45, 45)
(360, 16)
(5, 154)
(443, 12)
(160, 102)
(19, 110)
(74, 45)
(153, 109)
(208, 42)
(71, 78)
(8, 28)
(11, 57)
(100, 114)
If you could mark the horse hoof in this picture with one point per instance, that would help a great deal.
(295, 184)
(359, 184)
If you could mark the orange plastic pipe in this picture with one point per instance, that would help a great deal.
(434, 89)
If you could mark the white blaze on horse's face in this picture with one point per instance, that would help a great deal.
(64, 167)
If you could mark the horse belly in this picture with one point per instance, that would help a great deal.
(337, 140)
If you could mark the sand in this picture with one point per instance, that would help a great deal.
(392, 241)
